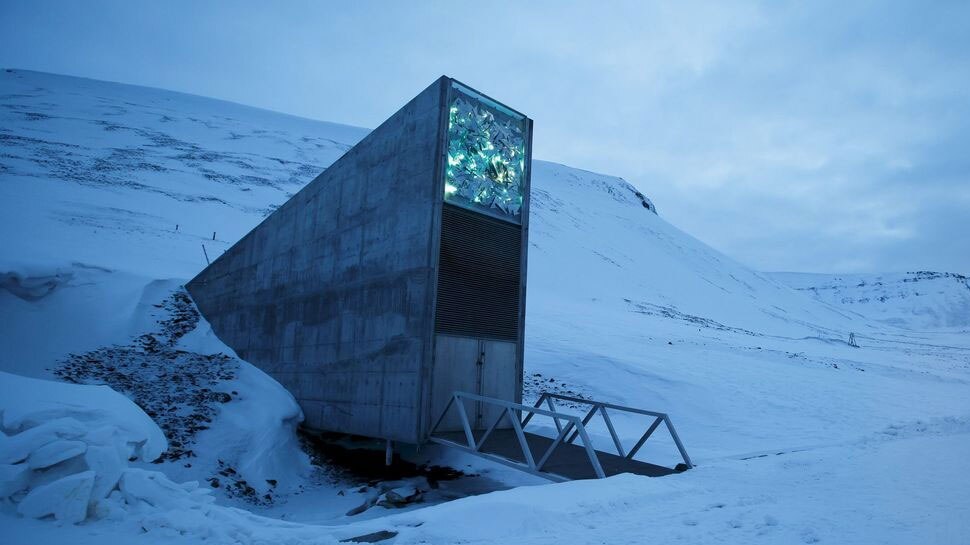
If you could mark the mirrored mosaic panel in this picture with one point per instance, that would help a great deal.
(486, 154)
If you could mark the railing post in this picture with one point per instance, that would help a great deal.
(490, 429)
(586, 420)
(680, 446)
(591, 452)
(536, 406)
(464, 422)
(609, 425)
(526, 451)
(443, 413)
(643, 439)
(556, 443)
(552, 407)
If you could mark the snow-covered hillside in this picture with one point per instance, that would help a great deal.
(112, 195)
(916, 300)
(135, 179)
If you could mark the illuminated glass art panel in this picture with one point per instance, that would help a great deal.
(486, 154)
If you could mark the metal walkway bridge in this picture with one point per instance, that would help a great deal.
(508, 441)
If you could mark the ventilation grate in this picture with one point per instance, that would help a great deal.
(478, 275)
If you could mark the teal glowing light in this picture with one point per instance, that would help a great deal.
(486, 154)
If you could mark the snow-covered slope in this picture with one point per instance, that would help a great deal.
(111, 195)
(915, 300)
(135, 179)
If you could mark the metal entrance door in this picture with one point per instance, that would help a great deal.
(477, 366)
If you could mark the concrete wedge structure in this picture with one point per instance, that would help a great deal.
(395, 277)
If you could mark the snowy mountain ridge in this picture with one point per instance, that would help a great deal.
(920, 300)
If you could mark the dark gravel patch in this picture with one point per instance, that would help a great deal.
(180, 390)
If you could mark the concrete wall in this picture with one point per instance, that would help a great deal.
(332, 294)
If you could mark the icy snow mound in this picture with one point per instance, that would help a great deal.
(64, 454)
(256, 432)
(65, 449)
(39, 411)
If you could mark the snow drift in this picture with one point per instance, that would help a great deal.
(67, 453)
(65, 449)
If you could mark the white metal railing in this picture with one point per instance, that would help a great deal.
(601, 407)
(569, 428)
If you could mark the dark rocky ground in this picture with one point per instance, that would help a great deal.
(180, 390)
(535, 384)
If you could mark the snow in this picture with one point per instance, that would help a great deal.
(256, 433)
(798, 437)
(37, 412)
(55, 452)
(77, 315)
(13, 478)
(66, 498)
(110, 170)
(154, 489)
(259, 433)
(89, 477)
(917, 300)
(68, 446)
(785, 498)
(108, 463)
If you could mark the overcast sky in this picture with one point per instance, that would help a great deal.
(812, 136)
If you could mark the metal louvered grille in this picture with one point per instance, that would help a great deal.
(478, 275)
